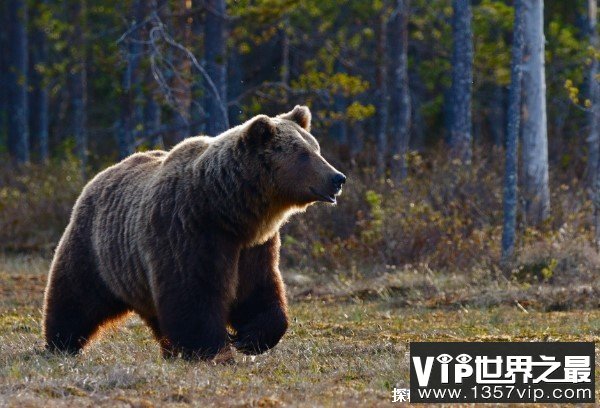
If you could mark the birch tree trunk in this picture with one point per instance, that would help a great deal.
(216, 66)
(462, 79)
(594, 135)
(382, 96)
(512, 138)
(402, 118)
(18, 129)
(594, 118)
(534, 131)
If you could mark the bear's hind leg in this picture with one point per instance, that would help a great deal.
(166, 347)
(76, 304)
(192, 324)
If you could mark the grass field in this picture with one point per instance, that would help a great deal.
(347, 344)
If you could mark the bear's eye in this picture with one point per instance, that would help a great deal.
(304, 156)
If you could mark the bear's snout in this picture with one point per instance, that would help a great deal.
(338, 181)
(331, 188)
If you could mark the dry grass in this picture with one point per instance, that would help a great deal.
(347, 345)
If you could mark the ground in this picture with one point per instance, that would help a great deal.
(346, 348)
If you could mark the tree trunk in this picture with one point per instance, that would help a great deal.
(136, 49)
(38, 96)
(462, 79)
(497, 115)
(235, 87)
(594, 94)
(182, 30)
(152, 114)
(78, 81)
(131, 115)
(402, 117)
(3, 70)
(417, 96)
(152, 109)
(594, 118)
(285, 59)
(512, 138)
(382, 97)
(535, 137)
(18, 130)
(215, 53)
(197, 94)
(125, 138)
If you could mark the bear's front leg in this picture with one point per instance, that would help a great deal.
(192, 303)
(259, 316)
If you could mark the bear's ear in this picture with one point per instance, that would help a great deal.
(260, 129)
(301, 115)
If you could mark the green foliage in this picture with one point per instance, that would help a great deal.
(340, 82)
(357, 112)
(573, 92)
(373, 226)
(541, 271)
(492, 20)
(566, 65)
(332, 56)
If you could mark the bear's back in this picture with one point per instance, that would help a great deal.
(127, 175)
(188, 150)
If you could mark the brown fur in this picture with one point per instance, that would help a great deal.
(188, 240)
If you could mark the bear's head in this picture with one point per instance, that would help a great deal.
(292, 155)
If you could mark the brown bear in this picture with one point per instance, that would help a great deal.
(189, 240)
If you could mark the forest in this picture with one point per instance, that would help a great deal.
(392, 86)
(469, 131)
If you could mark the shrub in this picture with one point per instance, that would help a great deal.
(35, 203)
(445, 216)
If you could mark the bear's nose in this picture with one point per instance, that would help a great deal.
(338, 180)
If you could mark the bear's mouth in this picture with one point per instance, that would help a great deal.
(324, 197)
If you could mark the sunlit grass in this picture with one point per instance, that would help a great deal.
(340, 350)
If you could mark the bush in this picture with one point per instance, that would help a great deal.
(35, 203)
(445, 216)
